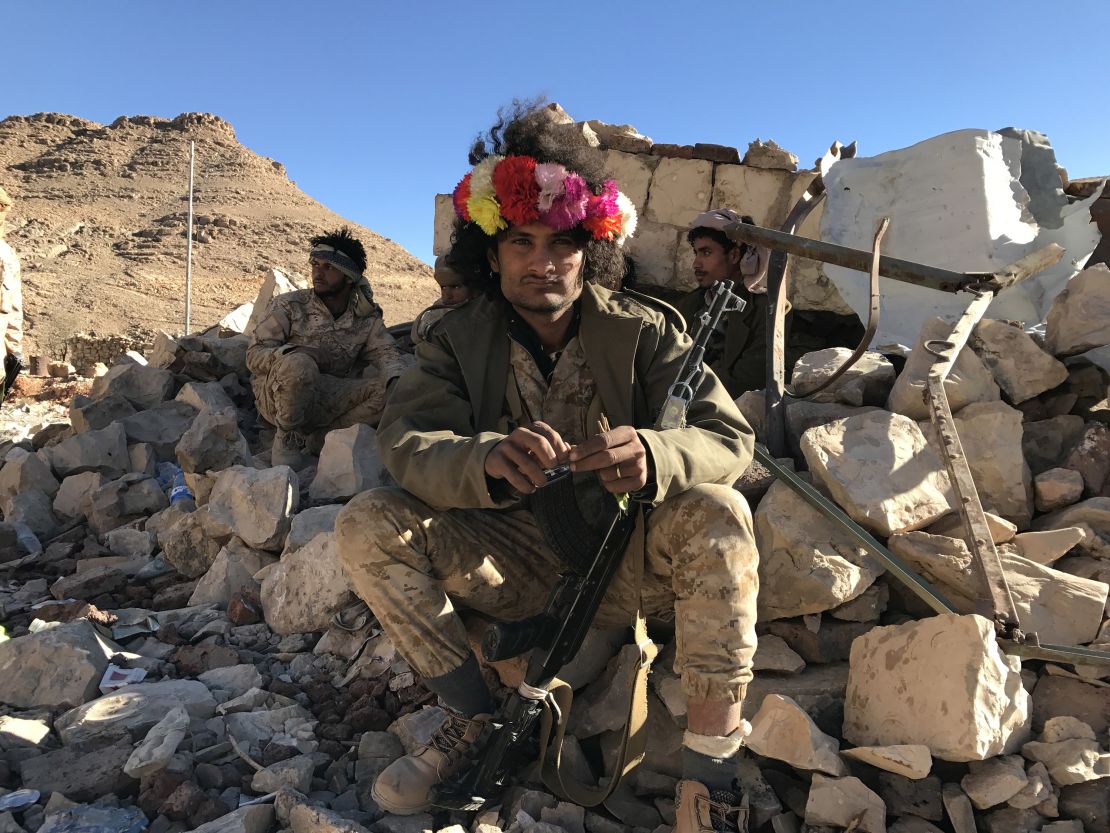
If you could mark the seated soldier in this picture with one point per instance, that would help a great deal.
(517, 381)
(737, 352)
(321, 358)
(452, 293)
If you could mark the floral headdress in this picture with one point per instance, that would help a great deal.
(518, 190)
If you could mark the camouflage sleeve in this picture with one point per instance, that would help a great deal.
(269, 337)
(717, 443)
(383, 353)
(11, 301)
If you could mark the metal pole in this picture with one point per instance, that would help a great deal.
(189, 250)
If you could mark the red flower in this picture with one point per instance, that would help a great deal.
(460, 196)
(514, 183)
(603, 228)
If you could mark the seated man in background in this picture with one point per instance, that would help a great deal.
(737, 351)
(321, 358)
(453, 293)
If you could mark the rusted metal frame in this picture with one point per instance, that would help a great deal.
(998, 603)
(921, 588)
(872, 318)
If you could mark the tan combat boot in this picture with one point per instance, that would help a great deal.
(698, 811)
(403, 787)
(288, 450)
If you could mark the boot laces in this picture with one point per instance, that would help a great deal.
(292, 440)
(727, 813)
(448, 738)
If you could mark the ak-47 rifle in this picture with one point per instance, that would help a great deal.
(507, 745)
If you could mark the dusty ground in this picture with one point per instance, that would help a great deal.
(100, 216)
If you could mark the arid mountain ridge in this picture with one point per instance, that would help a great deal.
(100, 217)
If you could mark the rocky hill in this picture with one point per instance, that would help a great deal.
(99, 223)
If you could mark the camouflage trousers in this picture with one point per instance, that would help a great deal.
(295, 396)
(416, 566)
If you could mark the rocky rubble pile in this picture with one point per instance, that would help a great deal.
(172, 668)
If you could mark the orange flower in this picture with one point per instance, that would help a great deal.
(603, 228)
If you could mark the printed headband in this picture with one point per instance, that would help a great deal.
(340, 260)
(517, 190)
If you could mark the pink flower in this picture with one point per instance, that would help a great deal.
(568, 209)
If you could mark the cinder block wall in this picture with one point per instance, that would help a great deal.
(671, 184)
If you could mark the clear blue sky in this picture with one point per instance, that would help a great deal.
(371, 105)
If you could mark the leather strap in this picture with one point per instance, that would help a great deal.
(553, 723)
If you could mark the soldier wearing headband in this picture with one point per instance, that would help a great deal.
(321, 358)
(11, 303)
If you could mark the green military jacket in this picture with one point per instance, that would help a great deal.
(445, 414)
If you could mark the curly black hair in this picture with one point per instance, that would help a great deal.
(345, 241)
(529, 128)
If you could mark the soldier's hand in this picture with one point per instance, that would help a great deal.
(618, 456)
(523, 455)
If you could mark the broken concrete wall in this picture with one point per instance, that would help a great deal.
(968, 201)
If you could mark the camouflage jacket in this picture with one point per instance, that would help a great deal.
(348, 345)
(11, 301)
(446, 414)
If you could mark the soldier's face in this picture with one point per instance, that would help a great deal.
(541, 269)
(712, 263)
(326, 279)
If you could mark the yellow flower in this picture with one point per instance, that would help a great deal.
(486, 212)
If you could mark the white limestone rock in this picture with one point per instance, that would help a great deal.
(994, 781)
(141, 385)
(253, 818)
(24, 471)
(654, 248)
(59, 667)
(161, 426)
(1056, 488)
(807, 564)
(159, 745)
(845, 802)
(75, 494)
(764, 194)
(1037, 789)
(120, 502)
(309, 523)
(103, 451)
(187, 546)
(257, 505)
(990, 433)
(213, 443)
(968, 381)
(969, 201)
(1019, 366)
(232, 570)
(867, 382)
(952, 526)
(295, 772)
(205, 396)
(968, 702)
(34, 509)
(1079, 319)
(305, 589)
(131, 543)
(134, 708)
(680, 190)
(350, 462)
(768, 154)
(782, 730)
(1061, 608)
(633, 173)
(908, 760)
(773, 654)
(878, 467)
(1045, 547)
(231, 681)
